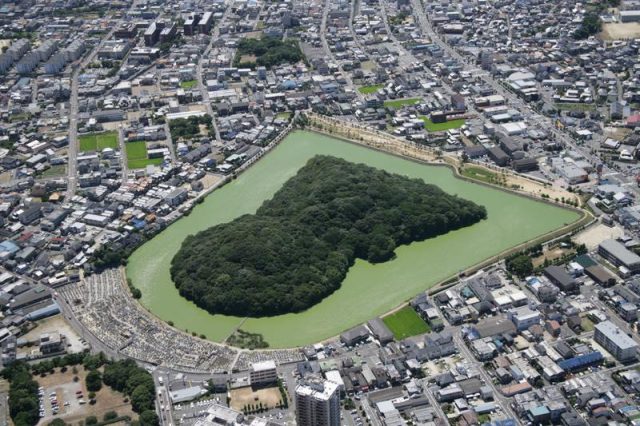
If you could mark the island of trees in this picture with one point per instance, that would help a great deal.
(267, 52)
(298, 247)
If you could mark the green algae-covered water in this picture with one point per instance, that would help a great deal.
(368, 290)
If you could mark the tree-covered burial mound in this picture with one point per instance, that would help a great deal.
(297, 248)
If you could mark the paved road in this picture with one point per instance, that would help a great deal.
(327, 48)
(72, 166)
(123, 154)
(200, 75)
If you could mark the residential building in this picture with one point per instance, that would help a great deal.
(318, 403)
(616, 253)
(614, 340)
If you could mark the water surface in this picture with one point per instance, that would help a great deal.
(368, 290)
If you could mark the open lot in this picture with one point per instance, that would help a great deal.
(61, 388)
(406, 323)
(439, 127)
(241, 397)
(399, 103)
(620, 31)
(55, 171)
(98, 141)
(137, 155)
(575, 107)
(56, 323)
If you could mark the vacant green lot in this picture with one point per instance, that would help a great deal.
(189, 84)
(98, 141)
(283, 115)
(54, 171)
(367, 90)
(576, 107)
(406, 323)
(137, 155)
(439, 127)
(399, 103)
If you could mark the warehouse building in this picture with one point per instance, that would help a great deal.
(380, 331)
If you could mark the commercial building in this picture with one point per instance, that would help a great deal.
(523, 317)
(51, 343)
(616, 253)
(614, 340)
(263, 373)
(355, 335)
(559, 276)
(318, 403)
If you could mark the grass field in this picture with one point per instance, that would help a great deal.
(576, 107)
(55, 171)
(283, 115)
(399, 103)
(98, 141)
(481, 174)
(439, 127)
(137, 156)
(406, 323)
(189, 84)
(367, 90)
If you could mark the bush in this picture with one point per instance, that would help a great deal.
(110, 415)
(91, 420)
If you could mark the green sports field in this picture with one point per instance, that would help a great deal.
(137, 155)
(98, 141)
(439, 127)
(399, 103)
(367, 90)
(406, 323)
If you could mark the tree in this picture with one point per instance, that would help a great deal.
(297, 248)
(57, 422)
(91, 420)
(94, 381)
(148, 418)
(591, 25)
(520, 265)
(142, 398)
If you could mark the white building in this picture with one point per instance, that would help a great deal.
(263, 373)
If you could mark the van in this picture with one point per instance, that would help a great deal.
(82, 401)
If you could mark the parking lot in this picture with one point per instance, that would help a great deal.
(63, 397)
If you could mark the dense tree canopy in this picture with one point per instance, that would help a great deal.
(268, 52)
(297, 248)
(591, 25)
